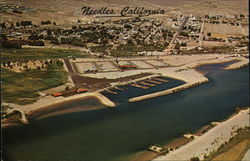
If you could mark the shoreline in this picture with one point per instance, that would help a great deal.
(167, 92)
(211, 140)
(182, 141)
(200, 79)
(46, 103)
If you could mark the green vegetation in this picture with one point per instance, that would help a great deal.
(242, 133)
(22, 88)
(102, 49)
(34, 54)
(131, 49)
(195, 159)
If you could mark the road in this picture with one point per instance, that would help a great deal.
(171, 44)
(201, 34)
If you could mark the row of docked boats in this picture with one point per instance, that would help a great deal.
(149, 83)
(145, 84)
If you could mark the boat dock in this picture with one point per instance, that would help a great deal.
(147, 84)
(161, 80)
(153, 81)
(121, 89)
(109, 91)
(168, 91)
(139, 86)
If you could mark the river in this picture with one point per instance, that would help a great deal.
(117, 134)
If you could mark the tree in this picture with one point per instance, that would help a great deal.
(17, 11)
(209, 34)
(184, 44)
(3, 37)
(177, 46)
(33, 37)
(45, 22)
(3, 25)
(195, 159)
(36, 43)
(128, 26)
(242, 16)
(13, 43)
(25, 23)
(55, 41)
(184, 34)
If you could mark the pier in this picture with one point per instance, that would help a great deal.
(115, 87)
(152, 81)
(147, 84)
(168, 91)
(104, 100)
(139, 86)
(161, 80)
(109, 91)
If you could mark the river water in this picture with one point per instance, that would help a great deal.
(117, 134)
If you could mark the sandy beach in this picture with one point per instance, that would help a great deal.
(211, 140)
(239, 64)
(47, 102)
(50, 100)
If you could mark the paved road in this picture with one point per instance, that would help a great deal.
(69, 67)
(201, 35)
(171, 44)
(179, 30)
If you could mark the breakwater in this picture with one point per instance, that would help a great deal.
(168, 91)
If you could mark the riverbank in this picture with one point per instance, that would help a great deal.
(47, 102)
(210, 141)
(188, 74)
(239, 64)
(168, 91)
(181, 141)
(236, 152)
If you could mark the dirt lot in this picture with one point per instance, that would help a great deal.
(95, 83)
(234, 153)
(223, 30)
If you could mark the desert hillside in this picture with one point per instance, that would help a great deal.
(65, 11)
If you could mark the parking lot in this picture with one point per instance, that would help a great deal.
(80, 66)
